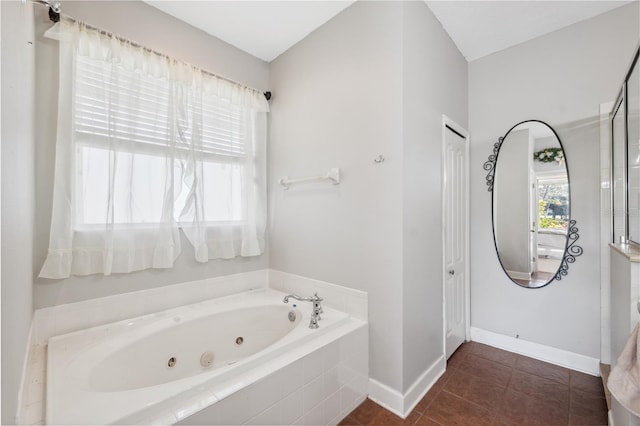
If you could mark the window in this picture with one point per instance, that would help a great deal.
(131, 110)
(146, 144)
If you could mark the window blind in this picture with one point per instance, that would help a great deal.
(106, 107)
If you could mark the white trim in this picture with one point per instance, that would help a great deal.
(519, 275)
(446, 121)
(385, 396)
(402, 405)
(545, 353)
(610, 417)
(606, 107)
(421, 386)
(606, 232)
(443, 276)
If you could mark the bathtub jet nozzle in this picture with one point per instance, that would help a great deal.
(206, 360)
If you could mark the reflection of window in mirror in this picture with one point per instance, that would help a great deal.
(553, 222)
(553, 202)
(633, 153)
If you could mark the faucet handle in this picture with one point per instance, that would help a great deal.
(313, 323)
(317, 307)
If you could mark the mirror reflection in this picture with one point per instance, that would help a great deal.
(531, 206)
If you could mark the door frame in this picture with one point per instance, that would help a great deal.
(461, 131)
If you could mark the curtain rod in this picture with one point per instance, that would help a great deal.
(54, 16)
(54, 8)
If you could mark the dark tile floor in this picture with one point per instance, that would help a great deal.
(488, 386)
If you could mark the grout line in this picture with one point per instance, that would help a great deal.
(430, 418)
(570, 399)
(466, 400)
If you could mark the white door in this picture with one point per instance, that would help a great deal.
(533, 220)
(455, 238)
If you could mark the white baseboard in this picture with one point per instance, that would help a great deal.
(421, 386)
(519, 275)
(545, 353)
(402, 405)
(389, 398)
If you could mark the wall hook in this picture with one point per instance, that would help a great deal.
(379, 159)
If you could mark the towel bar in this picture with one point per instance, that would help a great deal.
(332, 175)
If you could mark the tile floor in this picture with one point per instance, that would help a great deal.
(488, 386)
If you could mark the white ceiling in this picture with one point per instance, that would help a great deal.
(264, 29)
(480, 28)
(268, 28)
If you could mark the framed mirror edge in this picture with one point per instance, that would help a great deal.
(618, 106)
(631, 219)
(571, 249)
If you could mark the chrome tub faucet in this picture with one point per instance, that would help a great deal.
(316, 310)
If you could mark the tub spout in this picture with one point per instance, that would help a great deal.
(315, 311)
(295, 296)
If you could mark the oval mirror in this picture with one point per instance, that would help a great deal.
(531, 204)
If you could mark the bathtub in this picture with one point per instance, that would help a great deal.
(129, 372)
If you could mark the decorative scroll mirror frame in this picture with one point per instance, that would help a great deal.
(571, 250)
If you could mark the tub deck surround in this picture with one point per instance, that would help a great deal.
(345, 299)
(315, 385)
(34, 387)
(62, 319)
(124, 365)
(353, 369)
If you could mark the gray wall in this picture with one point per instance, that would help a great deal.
(560, 78)
(434, 78)
(137, 21)
(18, 67)
(338, 103)
(374, 80)
(511, 202)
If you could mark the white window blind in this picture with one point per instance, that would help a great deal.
(109, 109)
(132, 111)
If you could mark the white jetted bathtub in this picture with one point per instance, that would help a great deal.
(126, 371)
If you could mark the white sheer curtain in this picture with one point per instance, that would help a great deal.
(145, 145)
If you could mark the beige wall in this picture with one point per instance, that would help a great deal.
(161, 32)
